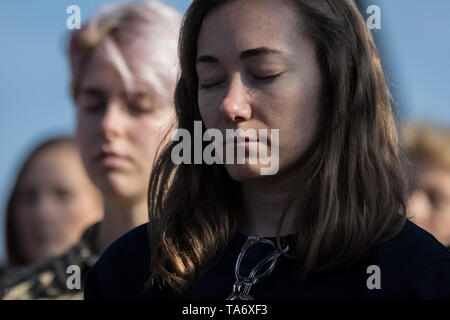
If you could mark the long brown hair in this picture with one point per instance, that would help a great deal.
(351, 185)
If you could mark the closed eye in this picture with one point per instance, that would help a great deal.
(94, 107)
(270, 77)
(206, 86)
(139, 108)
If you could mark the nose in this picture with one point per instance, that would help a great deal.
(112, 123)
(44, 208)
(235, 106)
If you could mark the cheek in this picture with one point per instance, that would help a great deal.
(295, 113)
(24, 230)
(75, 213)
(84, 146)
(301, 130)
(208, 104)
(147, 134)
(85, 129)
(303, 109)
(20, 218)
(25, 212)
(72, 216)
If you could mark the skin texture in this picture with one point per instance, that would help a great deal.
(279, 89)
(429, 205)
(57, 202)
(119, 135)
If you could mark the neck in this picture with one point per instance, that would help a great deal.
(264, 205)
(120, 217)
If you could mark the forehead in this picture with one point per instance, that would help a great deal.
(435, 173)
(52, 164)
(100, 73)
(110, 72)
(242, 25)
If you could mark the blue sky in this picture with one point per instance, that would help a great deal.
(34, 77)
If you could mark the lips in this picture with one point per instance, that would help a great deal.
(109, 158)
(243, 140)
(244, 136)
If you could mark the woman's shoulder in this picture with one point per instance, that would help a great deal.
(122, 269)
(413, 244)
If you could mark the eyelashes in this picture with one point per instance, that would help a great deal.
(268, 78)
(131, 107)
(210, 85)
(271, 77)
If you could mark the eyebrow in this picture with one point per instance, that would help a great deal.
(244, 54)
(98, 93)
(258, 51)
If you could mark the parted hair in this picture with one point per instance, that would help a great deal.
(351, 186)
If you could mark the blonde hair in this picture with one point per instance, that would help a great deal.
(116, 28)
(428, 142)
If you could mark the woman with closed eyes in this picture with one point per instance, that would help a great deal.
(330, 222)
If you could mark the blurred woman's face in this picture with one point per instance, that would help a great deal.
(119, 131)
(56, 203)
(429, 204)
(255, 71)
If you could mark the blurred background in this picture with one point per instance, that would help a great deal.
(34, 75)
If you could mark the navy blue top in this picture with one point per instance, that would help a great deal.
(412, 265)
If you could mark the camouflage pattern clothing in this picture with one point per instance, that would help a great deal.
(51, 279)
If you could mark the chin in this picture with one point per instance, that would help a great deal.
(116, 184)
(244, 172)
